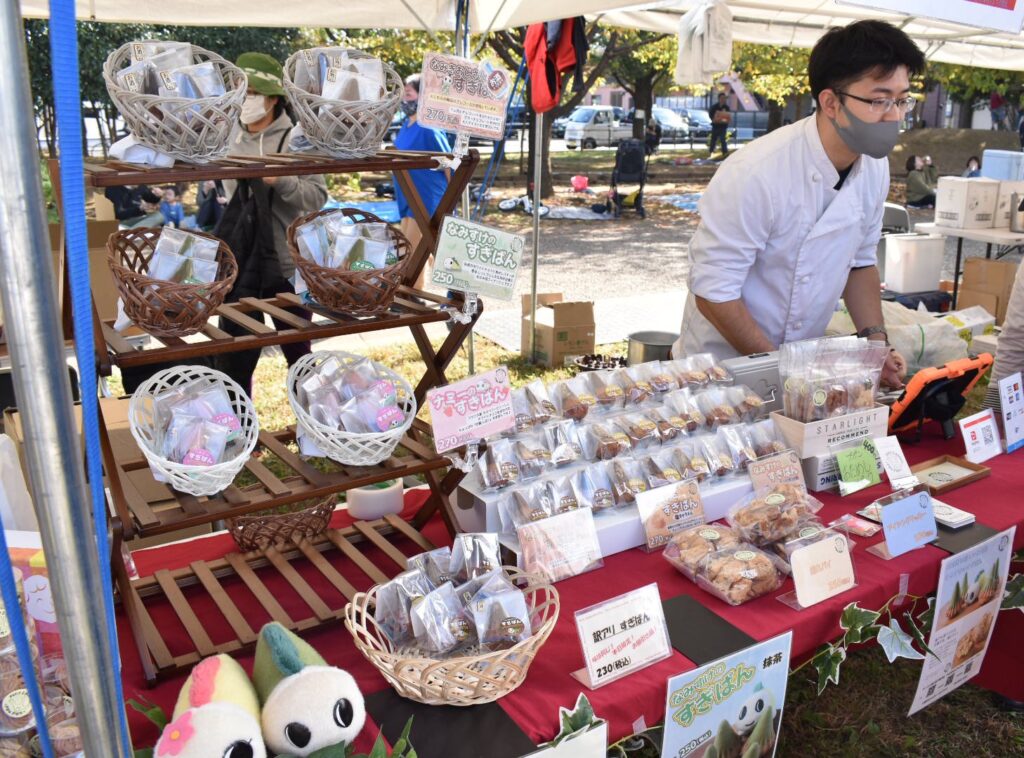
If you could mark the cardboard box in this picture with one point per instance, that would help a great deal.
(966, 203)
(564, 330)
(104, 291)
(1006, 189)
(987, 283)
(971, 322)
(815, 437)
(821, 472)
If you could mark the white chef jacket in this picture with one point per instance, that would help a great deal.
(776, 233)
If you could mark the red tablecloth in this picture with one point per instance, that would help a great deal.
(995, 500)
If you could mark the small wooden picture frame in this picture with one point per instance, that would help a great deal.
(947, 472)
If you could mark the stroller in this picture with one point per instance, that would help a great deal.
(630, 168)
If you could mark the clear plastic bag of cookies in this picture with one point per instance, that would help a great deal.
(603, 441)
(474, 553)
(717, 374)
(740, 445)
(628, 480)
(542, 409)
(688, 548)
(766, 438)
(774, 515)
(532, 454)
(669, 424)
(642, 432)
(739, 574)
(719, 458)
(717, 408)
(748, 404)
(593, 488)
(499, 466)
(523, 505)
(808, 530)
(690, 461)
(573, 398)
(661, 469)
(440, 623)
(609, 394)
(634, 383)
(683, 404)
(662, 377)
(562, 439)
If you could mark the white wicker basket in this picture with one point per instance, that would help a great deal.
(353, 129)
(350, 448)
(193, 130)
(194, 480)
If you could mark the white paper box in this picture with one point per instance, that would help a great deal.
(913, 262)
(814, 438)
(971, 322)
(985, 343)
(1006, 189)
(965, 203)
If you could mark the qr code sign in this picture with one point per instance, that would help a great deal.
(986, 435)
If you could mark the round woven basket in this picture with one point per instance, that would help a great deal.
(471, 679)
(193, 130)
(344, 129)
(194, 480)
(359, 293)
(349, 448)
(260, 531)
(165, 309)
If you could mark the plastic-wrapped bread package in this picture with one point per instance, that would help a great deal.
(716, 374)
(766, 438)
(523, 505)
(532, 454)
(628, 479)
(661, 469)
(561, 494)
(593, 488)
(662, 377)
(683, 405)
(642, 432)
(717, 408)
(541, 408)
(690, 461)
(670, 426)
(498, 466)
(439, 622)
(719, 458)
(774, 515)
(748, 404)
(739, 574)
(395, 600)
(605, 388)
(573, 398)
(635, 385)
(473, 554)
(562, 439)
(603, 441)
(739, 444)
(501, 614)
(436, 564)
(688, 549)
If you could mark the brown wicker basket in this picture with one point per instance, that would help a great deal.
(261, 531)
(165, 309)
(360, 293)
(478, 677)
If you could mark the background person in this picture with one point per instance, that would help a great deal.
(973, 168)
(721, 116)
(171, 208)
(136, 205)
(922, 181)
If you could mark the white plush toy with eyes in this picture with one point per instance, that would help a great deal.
(752, 709)
(310, 709)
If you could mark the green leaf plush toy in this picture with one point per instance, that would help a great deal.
(310, 709)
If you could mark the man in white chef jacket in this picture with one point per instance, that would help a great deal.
(791, 223)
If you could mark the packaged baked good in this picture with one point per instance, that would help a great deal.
(562, 439)
(689, 374)
(642, 432)
(474, 553)
(668, 424)
(661, 377)
(532, 455)
(808, 530)
(573, 399)
(688, 549)
(602, 442)
(436, 564)
(501, 615)
(561, 495)
(522, 505)
(739, 574)
(593, 488)
(635, 385)
(766, 438)
(541, 407)
(739, 444)
(521, 410)
(748, 404)
(684, 405)
(691, 462)
(466, 591)
(439, 622)
(716, 374)
(717, 408)
(660, 469)
(627, 479)
(610, 396)
(498, 466)
(394, 602)
(773, 516)
(719, 458)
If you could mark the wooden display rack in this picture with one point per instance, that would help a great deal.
(143, 511)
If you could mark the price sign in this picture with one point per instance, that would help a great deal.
(772, 470)
(1011, 403)
(621, 636)
(822, 569)
(470, 410)
(908, 522)
(476, 258)
(460, 95)
(858, 467)
(895, 463)
(670, 509)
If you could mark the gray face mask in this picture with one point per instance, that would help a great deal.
(408, 106)
(875, 139)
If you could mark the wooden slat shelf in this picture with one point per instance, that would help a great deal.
(157, 509)
(334, 557)
(249, 314)
(112, 173)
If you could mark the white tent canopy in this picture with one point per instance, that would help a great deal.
(435, 15)
(799, 23)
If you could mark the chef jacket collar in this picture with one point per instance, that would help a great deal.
(822, 165)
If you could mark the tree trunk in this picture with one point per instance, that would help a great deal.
(798, 107)
(966, 114)
(774, 115)
(643, 100)
(547, 185)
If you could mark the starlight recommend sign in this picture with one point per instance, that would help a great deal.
(476, 258)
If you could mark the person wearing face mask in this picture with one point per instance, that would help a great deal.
(256, 219)
(973, 168)
(922, 181)
(430, 184)
(791, 223)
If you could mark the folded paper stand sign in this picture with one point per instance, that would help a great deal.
(564, 329)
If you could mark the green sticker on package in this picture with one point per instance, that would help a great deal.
(476, 258)
(858, 467)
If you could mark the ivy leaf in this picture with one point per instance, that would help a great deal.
(1014, 597)
(927, 615)
(827, 665)
(151, 711)
(145, 752)
(918, 636)
(896, 643)
(854, 620)
(380, 748)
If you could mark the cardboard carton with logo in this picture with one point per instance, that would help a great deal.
(1006, 190)
(564, 330)
(987, 283)
(971, 322)
(966, 203)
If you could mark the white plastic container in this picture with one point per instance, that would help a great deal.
(1006, 165)
(374, 502)
(913, 262)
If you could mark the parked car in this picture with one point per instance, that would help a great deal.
(558, 127)
(673, 126)
(591, 126)
(699, 121)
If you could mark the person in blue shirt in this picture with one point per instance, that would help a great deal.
(171, 208)
(430, 184)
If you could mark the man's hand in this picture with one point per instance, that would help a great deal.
(894, 371)
(270, 181)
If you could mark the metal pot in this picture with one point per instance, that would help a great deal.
(1017, 213)
(649, 346)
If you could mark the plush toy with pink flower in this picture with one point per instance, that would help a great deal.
(217, 714)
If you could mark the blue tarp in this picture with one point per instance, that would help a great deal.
(386, 210)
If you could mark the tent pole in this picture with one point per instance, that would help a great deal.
(462, 49)
(53, 453)
(538, 174)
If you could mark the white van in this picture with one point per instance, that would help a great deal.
(596, 125)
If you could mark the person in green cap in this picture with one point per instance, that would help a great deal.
(255, 222)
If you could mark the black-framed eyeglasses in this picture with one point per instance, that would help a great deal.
(884, 104)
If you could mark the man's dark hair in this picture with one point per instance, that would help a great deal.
(848, 53)
(413, 80)
(911, 163)
(722, 94)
